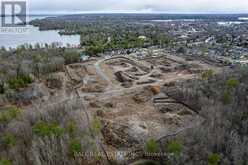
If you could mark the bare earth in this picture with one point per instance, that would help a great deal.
(125, 94)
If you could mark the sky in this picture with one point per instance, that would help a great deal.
(139, 6)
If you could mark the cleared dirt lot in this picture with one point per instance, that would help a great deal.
(130, 119)
(125, 94)
(129, 109)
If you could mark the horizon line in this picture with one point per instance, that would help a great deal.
(151, 13)
(133, 12)
(56, 14)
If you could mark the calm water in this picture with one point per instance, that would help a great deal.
(34, 36)
(174, 20)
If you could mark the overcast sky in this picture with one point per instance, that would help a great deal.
(166, 6)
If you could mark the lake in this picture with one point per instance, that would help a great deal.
(34, 36)
(174, 20)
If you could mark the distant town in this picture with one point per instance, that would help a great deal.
(126, 89)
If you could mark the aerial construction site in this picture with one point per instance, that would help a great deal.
(131, 97)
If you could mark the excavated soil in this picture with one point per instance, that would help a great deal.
(125, 95)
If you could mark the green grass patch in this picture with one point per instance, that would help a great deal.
(175, 147)
(9, 114)
(9, 140)
(75, 146)
(96, 126)
(152, 146)
(47, 129)
(4, 161)
(213, 159)
(232, 83)
(18, 82)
